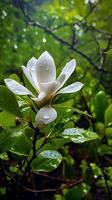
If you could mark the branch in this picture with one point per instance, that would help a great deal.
(68, 185)
(56, 37)
(106, 49)
(104, 177)
(27, 169)
(101, 31)
(98, 157)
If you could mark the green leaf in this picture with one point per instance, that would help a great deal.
(22, 146)
(70, 108)
(77, 192)
(108, 115)
(4, 156)
(40, 142)
(105, 150)
(100, 128)
(3, 191)
(96, 170)
(8, 101)
(109, 52)
(47, 161)
(78, 135)
(15, 77)
(99, 105)
(54, 144)
(85, 171)
(7, 119)
(59, 197)
(108, 132)
(15, 140)
(6, 141)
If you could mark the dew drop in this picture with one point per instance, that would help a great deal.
(44, 40)
(46, 117)
(72, 86)
(46, 68)
(15, 46)
(95, 176)
(32, 69)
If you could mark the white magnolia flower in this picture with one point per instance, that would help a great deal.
(41, 73)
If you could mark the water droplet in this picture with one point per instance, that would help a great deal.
(46, 117)
(95, 176)
(44, 40)
(4, 13)
(85, 191)
(32, 69)
(24, 29)
(68, 110)
(43, 68)
(36, 33)
(72, 86)
(15, 46)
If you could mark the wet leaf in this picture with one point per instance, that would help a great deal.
(78, 135)
(47, 161)
(8, 101)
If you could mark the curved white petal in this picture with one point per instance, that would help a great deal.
(48, 87)
(45, 68)
(31, 65)
(16, 88)
(45, 115)
(67, 71)
(59, 81)
(29, 77)
(74, 87)
(40, 97)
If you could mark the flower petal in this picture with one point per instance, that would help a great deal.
(74, 87)
(29, 77)
(48, 87)
(40, 97)
(67, 71)
(31, 65)
(45, 115)
(45, 68)
(59, 81)
(16, 88)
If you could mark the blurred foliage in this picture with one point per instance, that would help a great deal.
(80, 29)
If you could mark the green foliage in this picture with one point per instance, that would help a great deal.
(108, 115)
(7, 119)
(105, 149)
(14, 140)
(99, 105)
(70, 158)
(6, 141)
(47, 161)
(78, 136)
(77, 192)
(8, 101)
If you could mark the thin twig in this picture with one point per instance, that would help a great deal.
(27, 169)
(68, 185)
(104, 177)
(56, 37)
